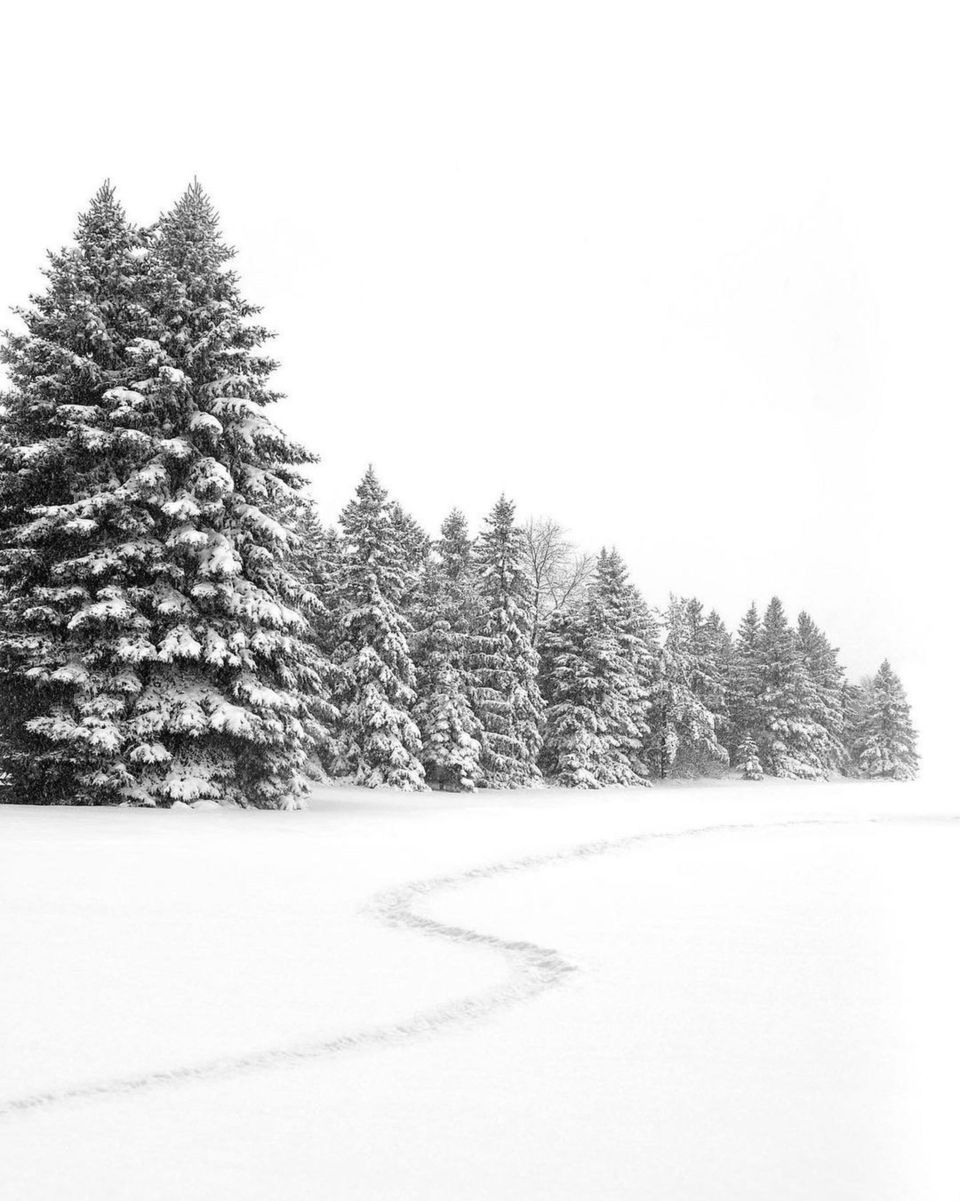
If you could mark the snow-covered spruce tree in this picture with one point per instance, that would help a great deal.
(315, 562)
(712, 650)
(177, 621)
(748, 759)
(448, 726)
(790, 739)
(820, 660)
(233, 687)
(595, 679)
(743, 680)
(573, 753)
(171, 664)
(65, 693)
(684, 729)
(414, 546)
(503, 664)
(856, 698)
(378, 742)
(618, 640)
(889, 741)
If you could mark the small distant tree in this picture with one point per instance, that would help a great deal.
(889, 739)
(748, 759)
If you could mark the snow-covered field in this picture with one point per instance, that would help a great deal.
(333, 1004)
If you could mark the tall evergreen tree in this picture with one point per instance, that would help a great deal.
(743, 686)
(889, 741)
(596, 684)
(619, 631)
(790, 738)
(63, 514)
(820, 660)
(448, 725)
(684, 728)
(503, 663)
(856, 698)
(177, 667)
(315, 562)
(573, 754)
(713, 651)
(379, 743)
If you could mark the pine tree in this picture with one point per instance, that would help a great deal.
(173, 665)
(684, 729)
(414, 546)
(618, 625)
(596, 684)
(315, 562)
(503, 663)
(748, 758)
(448, 725)
(790, 738)
(820, 660)
(856, 698)
(889, 741)
(713, 652)
(63, 516)
(230, 702)
(378, 743)
(573, 754)
(743, 687)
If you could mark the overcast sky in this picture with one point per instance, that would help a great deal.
(683, 276)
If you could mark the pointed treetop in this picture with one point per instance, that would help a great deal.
(370, 485)
(197, 204)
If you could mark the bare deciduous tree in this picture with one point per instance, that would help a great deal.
(558, 572)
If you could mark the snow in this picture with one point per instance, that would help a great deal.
(736, 991)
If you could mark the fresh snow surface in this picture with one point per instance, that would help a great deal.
(536, 996)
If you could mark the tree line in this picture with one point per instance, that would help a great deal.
(178, 623)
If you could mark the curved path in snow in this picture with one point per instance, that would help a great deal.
(533, 969)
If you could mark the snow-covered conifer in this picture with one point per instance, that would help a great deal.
(573, 753)
(233, 684)
(448, 726)
(172, 665)
(748, 759)
(743, 680)
(71, 537)
(316, 561)
(683, 727)
(595, 679)
(619, 630)
(378, 742)
(503, 663)
(790, 739)
(820, 660)
(856, 698)
(889, 741)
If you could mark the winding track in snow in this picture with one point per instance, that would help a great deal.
(533, 969)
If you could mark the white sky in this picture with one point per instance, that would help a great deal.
(683, 276)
